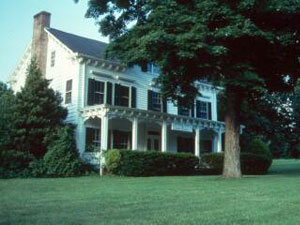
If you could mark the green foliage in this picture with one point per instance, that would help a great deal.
(255, 164)
(7, 104)
(295, 153)
(251, 163)
(113, 161)
(213, 160)
(256, 146)
(150, 163)
(37, 112)
(37, 168)
(14, 163)
(62, 157)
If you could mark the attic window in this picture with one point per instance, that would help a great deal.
(52, 58)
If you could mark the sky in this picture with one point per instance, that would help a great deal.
(16, 24)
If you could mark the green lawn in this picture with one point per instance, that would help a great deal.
(272, 199)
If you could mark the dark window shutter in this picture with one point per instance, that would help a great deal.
(117, 94)
(133, 97)
(165, 105)
(198, 109)
(209, 110)
(149, 100)
(193, 109)
(91, 91)
(108, 93)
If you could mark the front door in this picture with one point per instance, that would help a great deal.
(153, 142)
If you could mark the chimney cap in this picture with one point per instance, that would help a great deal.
(42, 13)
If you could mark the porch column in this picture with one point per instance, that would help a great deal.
(219, 142)
(135, 127)
(197, 142)
(164, 137)
(80, 136)
(104, 133)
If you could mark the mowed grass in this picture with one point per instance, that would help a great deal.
(271, 199)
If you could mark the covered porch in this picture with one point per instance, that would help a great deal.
(113, 127)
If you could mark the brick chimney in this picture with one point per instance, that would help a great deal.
(40, 39)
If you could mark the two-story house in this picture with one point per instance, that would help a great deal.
(116, 107)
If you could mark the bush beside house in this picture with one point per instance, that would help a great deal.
(34, 140)
(150, 163)
(256, 159)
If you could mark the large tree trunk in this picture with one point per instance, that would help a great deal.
(232, 166)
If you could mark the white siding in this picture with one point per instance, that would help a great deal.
(66, 67)
(143, 84)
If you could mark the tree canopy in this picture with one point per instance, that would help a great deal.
(247, 46)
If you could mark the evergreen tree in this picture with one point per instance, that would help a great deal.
(7, 104)
(38, 112)
(62, 158)
(248, 46)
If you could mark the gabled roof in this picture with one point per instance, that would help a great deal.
(80, 45)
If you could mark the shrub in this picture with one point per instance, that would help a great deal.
(212, 163)
(62, 157)
(257, 147)
(112, 161)
(295, 153)
(14, 163)
(37, 168)
(150, 163)
(254, 164)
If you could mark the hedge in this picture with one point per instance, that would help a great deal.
(251, 164)
(14, 163)
(149, 163)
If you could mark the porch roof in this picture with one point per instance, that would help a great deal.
(100, 111)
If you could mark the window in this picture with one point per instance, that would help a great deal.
(93, 142)
(95, 92)
(68, 96)
(156, 102)
(182, 109)
(121, 95)
(52, 58)
(99, 93)
(121, 139)
(204, 110)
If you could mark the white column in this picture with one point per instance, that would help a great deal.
(197, 142)
(164, 137)
(80, 136)
(219, 142)
(135, 128)
(104, 133)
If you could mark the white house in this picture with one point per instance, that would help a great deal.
(113, 106)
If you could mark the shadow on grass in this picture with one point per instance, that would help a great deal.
(285, 167)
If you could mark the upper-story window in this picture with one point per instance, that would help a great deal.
(156, 102)
(152, 68)
(95, 92)
(203, 110)
(121, 95)
(184, 110)
(52, 58)
(68, 96)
